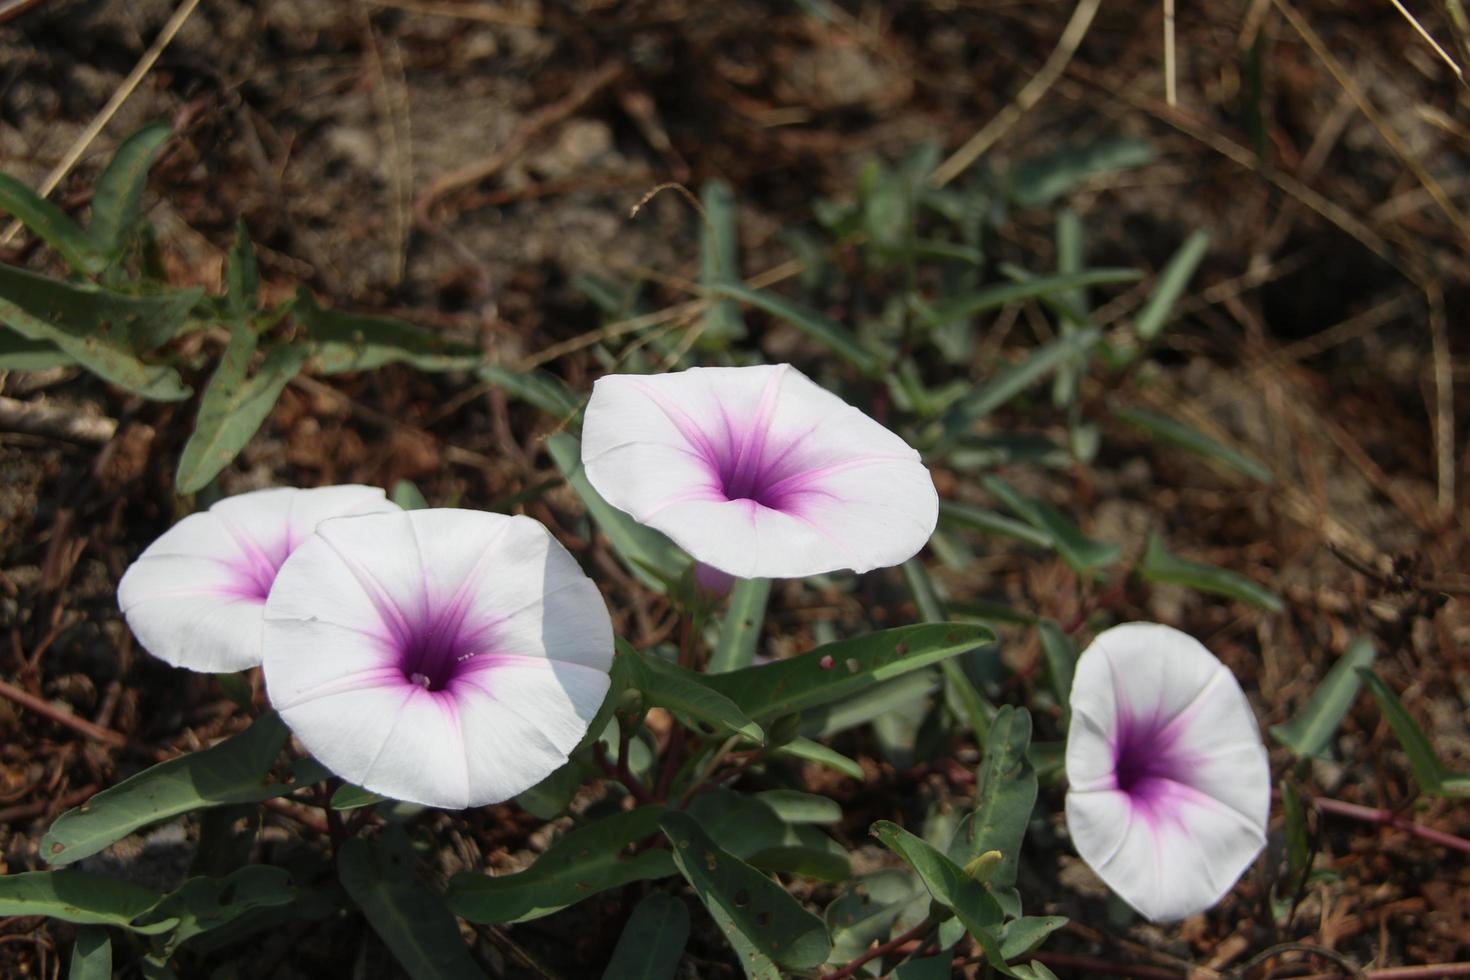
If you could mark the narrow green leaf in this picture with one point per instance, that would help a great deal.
(20, 354)
(948, 885)
(234, 771)
(652, 942)
(75, 896)
(1430, 773)
(97, 327)
(740, 630)
(719, 263)
(684, 692)
(828, 333)
(1003, 294)
(118, 194)
(1021, 936)
(793, 806)
(989, 522)
(1177, 433)
(641, 548)
(410, 918)
(1082, 553)
(1042, 179)
(350, 797)
(1060, 654)
(937, 967)
(1071, 259)
(1159, 309)
(810, 751)
(1005, 795)
(1311, 731)
(1159, 565)
(201, 905)
(588, 860)
(407, 495)
(839, 670)
(235, 403)
(535, 387)
(904, 695)
(550, 798)
(1013, 379)
(1298, 846)
(91, 955)
(356, 342)
(960, 693)
(51, 224)
(751, 910)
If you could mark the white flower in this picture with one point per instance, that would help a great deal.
(1170, 788)
(445, 657)
(195, 596)
(757, 472)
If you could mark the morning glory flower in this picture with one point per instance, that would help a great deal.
(195, 596)
(1169, 782)
(446, 657)
(757, 471)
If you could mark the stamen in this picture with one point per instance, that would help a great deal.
(422, 680)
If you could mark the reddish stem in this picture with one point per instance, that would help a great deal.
(1387, 818)
(622, 774)
(898, 942)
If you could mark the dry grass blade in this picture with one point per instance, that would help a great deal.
(482, 13)
(1429, 39)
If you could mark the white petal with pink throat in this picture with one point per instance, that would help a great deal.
(194, 597)
(445, 657)
(757, 471)
(1169, 784)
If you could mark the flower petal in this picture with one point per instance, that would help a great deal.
(446, 657)
(194, 597)
(1169, 782)
(757, 471)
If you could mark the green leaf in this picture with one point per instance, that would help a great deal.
(75, 896)
(1157, 312)
(937, 967)
(1071, 259)
(684, 692)
(907, 693)
(350, 797)
(641, 548)
(355, 342)
(407, 495)
(1311, 731)
(1060, 654)
(1430, 773)
(960, 693)
(1082, 553)
(19, 354)
(1177, 433)
(839, 670)
(1043, 179)
(999, 295)
(1159, 565)
(740, 630)
(867, 911)
(536, 387)
(652, 942)
(98, 328)
(835, 337)
(989, 522)
(1298, 847)
(550, 798)
(719, 263)
(204, 904)
(1013, 379)
(50, 224)
(751, 829)
(1021, 936)
(235, 403)
(1006, 794)
(406, 914)
(810, 751)
(793, 806)
(948, 885)
(91, 955)
(588, 860)
(754, 913)
(118, 193)
(234, 771)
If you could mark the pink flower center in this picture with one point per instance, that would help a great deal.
(1148, 763)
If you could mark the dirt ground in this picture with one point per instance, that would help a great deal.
(465, 166)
